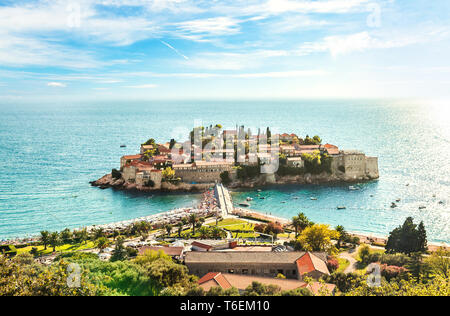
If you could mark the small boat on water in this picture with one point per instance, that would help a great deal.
(393, 205)
(422, 207)
(259, 190)
(441, 202)
(123, 146)
(262, 198)
(313, 198)
(245, 204)
(398, 200)
(283, 202)
(341, 208)
(295, 197)
(249, 199)
(353, 188)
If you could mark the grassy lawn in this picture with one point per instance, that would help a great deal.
(62, 248)
(343, 264)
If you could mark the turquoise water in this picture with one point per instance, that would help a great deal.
(50, 152)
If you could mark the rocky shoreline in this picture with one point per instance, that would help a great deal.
(108, 181)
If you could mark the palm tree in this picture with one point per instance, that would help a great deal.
(296, 224)
(84, 236)
(102, 243)
(54, 240)
(45, 237)
(168, 229)
(180, 228)
(342, 235)
(303, 221)
(193, 219)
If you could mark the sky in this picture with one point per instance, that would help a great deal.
(175, 49)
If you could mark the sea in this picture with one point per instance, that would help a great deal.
(49, 151)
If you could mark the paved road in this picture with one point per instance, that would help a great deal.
(349, 256)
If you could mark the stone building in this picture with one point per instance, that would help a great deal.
(293, 265)
(355, 165)
(202, 171)
(128, 159)
(143, 177)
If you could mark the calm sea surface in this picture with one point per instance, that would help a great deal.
(50, 152)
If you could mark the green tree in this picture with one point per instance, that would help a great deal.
(259, 289)
(343, 236)
(168, 173)
(168, 229)
(102, 243)
(54, 240)
(119, 253)
(407, 238)
(193, 220)
(318, 238)
(66, 236)
(439, 261)
(45, 238)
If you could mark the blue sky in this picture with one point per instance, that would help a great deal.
(163, 49)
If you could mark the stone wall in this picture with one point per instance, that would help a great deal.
(258, 269)
(372, 167)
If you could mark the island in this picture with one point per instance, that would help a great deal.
(238, 159)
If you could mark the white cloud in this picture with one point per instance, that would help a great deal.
(363, 41)
(56, 84)
(143, 86)
(198, 29)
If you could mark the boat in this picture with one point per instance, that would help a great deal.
(393, 205)
(123, 146)
(441, 202)
(353, 188)
(398, 200)
(341, 208)
(283, 202)
(249, 199)
(259, 190)
(422, 207)
(245, 204)
(262, 197)
(313, 198)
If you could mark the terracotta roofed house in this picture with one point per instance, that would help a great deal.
(125, 159)
(241, 282)
(213, 279)
(293, 265)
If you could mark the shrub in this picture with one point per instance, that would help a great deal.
(391, 272)
(332, 264)
(345, 282)
(364, 254)
(225, 177)
(399, 260)
(116, 174)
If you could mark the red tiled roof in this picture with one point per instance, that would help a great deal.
(329, 146)
(163, 149)
(218, 278)
(132, 157)
(309, 263)
(201, 245)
